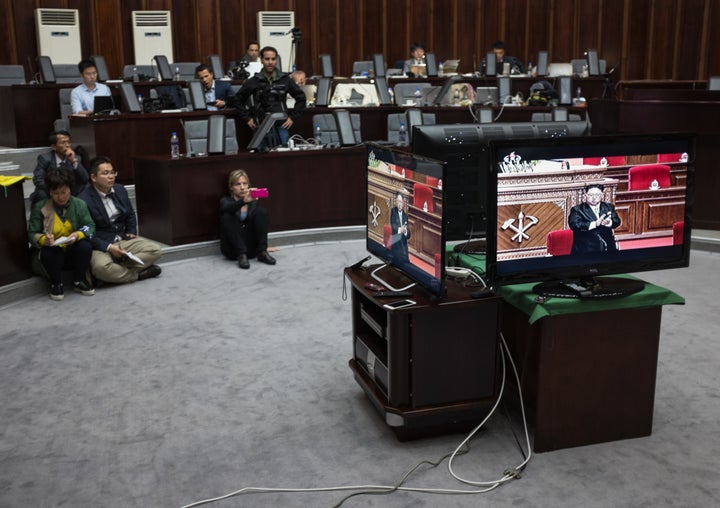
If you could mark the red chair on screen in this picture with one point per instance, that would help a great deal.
(669, 157)
(432, 181)
(616, 160)
(559, 242)
(678, 232)
(387, 236)
(642, 177)
(423, 194)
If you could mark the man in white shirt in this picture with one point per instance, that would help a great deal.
(82, 98)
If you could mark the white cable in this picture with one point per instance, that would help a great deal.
(510, 474)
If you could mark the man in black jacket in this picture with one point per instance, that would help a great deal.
(592, 223)
(119, 255)
(268, 90)
(60, 155)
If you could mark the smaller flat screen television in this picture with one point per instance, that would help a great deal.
(568, 212)
(405, 221)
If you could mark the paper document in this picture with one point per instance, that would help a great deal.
(60, 241)
(132, 256)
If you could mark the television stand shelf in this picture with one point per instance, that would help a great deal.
(429, 368)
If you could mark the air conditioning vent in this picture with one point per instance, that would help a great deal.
(152, 35)
(58, 35)
(274, 29)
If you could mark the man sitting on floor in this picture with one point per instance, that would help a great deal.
(119, 255)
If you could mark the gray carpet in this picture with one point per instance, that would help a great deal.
(210, 379)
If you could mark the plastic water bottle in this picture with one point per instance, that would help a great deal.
(391, 93)
(418, 96)
(318, 134)
(402, 135)
(140, 101)
(456, 96)
(174, 146)
(177, 73)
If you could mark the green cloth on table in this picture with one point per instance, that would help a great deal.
(522, 296)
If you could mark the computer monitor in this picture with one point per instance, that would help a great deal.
(197, 95)
(379, 65)
(323, 91)
(130, 98)
(432, 69)
(382, 90)
(163, 66)
(106, 104)
(216, 66)
(490, 64)
(47, 73)
(101, 68)
(542, 63)
(326, 66)
(258, 140)
(593, 63)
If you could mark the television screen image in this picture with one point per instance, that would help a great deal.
(405, 221)
(568, 210)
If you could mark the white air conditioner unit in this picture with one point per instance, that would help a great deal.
(152, 35)
(274, 29)
(58, 35)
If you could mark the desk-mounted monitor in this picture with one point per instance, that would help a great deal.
(542, 63)
(326, 66)
(216, 66)
(431, 63)
(258, 141)
(490, 64)
(47, 72)
(130, 98)
(101, 67)
(593, 62)
(163, 66)
(379, 65)
(197, 95)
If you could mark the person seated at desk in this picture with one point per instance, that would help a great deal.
(218, 94)
(82, 97)
(244, 224)
(416, 65)
(61, 155)
(116, 230)
(59, 230)
(515, 66)
(268, 90)
(592, 223)
(252, 55)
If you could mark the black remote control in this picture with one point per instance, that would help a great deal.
(388, 294)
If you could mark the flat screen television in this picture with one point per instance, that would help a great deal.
(464, 149)
(405, 218)
(544, 231)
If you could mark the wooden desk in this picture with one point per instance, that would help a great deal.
(121, 137)
(700, 117)
(178, 200)
(14, 252)
(29, 113)
(586, 382)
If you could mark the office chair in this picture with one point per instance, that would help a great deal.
(423, 194)
(196, 136)
(63, 123)
(613, 160)
(642, 177)
(67, 73)
(405, 92)
(12, 75)
(329, 129)
(678, 229)
(187, 70)
(144, 72)
(669, 157)
(559, 242)
(393, 124)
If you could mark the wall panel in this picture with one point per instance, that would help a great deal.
(656, 39)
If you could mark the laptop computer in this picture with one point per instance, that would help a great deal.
(450, 67)
(486, 95)
(105, 104)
